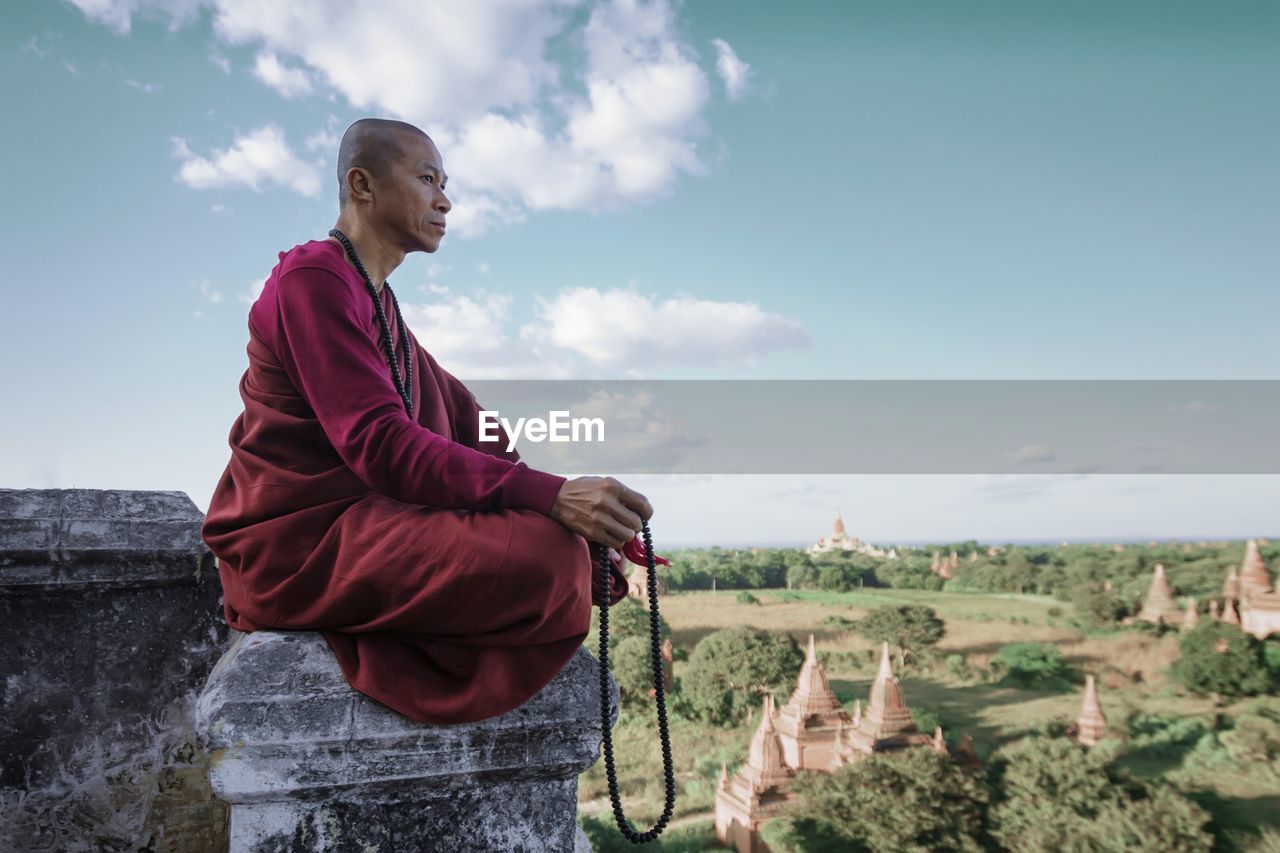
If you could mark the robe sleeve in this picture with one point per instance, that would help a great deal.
(468, 423)
(336, 366)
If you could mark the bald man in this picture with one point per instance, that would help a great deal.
(451, 580)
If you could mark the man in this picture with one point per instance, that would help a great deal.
(451, 581)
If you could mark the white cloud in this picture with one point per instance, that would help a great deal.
(254, 291)
(482, 268)
(33, 47)
(259, 157)
(592, 332)
(289, 82)
(146, 88)
(221, 61)
(208, 292)
(617, 121)
(618, 327)
(119, 14)
(733, 71)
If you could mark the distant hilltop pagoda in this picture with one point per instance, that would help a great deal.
(1248, 597)
(840, 540)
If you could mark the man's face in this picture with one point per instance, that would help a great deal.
(412, 203)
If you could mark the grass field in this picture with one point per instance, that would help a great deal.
(1130, 665)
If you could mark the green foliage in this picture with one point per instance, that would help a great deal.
(926, 721)
(1249, 745)
(1030, 664)
(1098, 607)
(627, 618)
(959, 667)
(911, 629)
(1055, 795)
(1218, 657)
(911, 800)
(731, 670)
(632, 664)
(745, 597)
(604, 836)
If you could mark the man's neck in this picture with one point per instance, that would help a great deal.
(378, 257)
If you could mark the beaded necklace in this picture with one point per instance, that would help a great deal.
(406, 387)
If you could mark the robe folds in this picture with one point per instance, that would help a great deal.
(426, 558)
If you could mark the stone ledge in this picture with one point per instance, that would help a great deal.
(279, 720)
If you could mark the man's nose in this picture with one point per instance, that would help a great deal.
(443, 204)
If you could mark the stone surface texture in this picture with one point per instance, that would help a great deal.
(309, 764)
(110, 621)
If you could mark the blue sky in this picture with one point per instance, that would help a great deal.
(702, 190)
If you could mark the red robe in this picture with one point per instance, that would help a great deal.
(425, 557)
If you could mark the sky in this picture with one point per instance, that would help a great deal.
(710, 190)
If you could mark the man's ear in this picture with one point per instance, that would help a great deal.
(359, 184)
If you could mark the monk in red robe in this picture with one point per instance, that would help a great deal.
(451, 580)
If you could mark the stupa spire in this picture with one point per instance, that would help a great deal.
(1254, 579)
(1229, 613)
(939, 742)
(1231, 586)
(887, 713)
(765, 767)
(1159, 605)
(1091, 725)
(1192, 617)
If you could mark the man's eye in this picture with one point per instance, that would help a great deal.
(426, 176)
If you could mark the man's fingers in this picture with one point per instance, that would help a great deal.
(637, 502)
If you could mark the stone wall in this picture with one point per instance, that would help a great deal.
(110, 622)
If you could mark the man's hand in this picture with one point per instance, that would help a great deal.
(601, 509)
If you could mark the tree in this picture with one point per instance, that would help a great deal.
(912, 629)
(730, 670)
(1054, 795)
(915, 799)
(627, 618)
(1217, 657)
(1030, 664)
(1097, 606)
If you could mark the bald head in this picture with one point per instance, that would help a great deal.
(373, 144)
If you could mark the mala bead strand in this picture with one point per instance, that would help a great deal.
(606, 584)
(404, 388)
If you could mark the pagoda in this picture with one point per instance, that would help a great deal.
(886, 723)
(1248, 598)
(1159, 606)
(1254, 579)
(808, 724)
(1091, 725)
(756, 793)
(1192, 617)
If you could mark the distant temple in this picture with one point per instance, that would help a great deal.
(839, 540)
(1248, 597)
(1159, 606)
(814, 732)
(1091, 725)
(944, 567)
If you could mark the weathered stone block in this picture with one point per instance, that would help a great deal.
(110, 621)
(309, 764)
